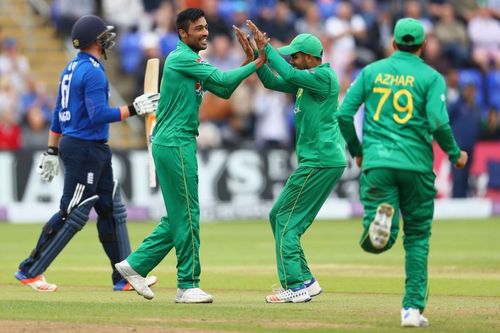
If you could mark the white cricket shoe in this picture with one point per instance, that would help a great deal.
(380, 228)
(192, 295)
(139, 283)
(313, 287)
(294, 295)
(37, 283)
(413, 318)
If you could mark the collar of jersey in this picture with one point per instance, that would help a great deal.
(86, 55)
(406, 55)
(184, 46)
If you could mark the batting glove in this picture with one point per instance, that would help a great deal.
(146, 103)
(48, 166)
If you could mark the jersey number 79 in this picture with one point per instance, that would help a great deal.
(401, 109)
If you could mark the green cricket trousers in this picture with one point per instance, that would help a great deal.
(305, 192)
(413, 193)
(177, 170)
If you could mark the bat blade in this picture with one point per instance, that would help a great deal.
(151, 86)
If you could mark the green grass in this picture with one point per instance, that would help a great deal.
(362, 291)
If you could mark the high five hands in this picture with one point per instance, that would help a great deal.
(249, 48)
(260, 37)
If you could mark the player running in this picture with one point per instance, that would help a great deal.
(405, 108)
(320, 153)
(79, 134)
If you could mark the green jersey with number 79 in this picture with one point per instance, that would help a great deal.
(405, 103)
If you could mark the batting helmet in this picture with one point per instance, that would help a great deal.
(90, 28)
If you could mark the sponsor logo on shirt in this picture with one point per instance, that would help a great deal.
(199, 90)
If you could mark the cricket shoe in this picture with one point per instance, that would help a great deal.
(313, 287)
(380, 228)
(139, 283)
(38, 282)
(192, 295)
(124, 285)
(413, 318)
(293, 295)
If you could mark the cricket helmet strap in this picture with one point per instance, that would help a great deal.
(90, 28)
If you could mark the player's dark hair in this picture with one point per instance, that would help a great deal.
(187, 16)
(408, 48)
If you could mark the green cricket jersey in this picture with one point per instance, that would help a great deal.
(405, 104)
(185, 77)
(319, 142)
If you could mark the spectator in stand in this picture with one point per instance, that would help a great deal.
(368, 45)
(465, 121)
(2, 39)
(14, 64)
(490, 129)
(35, 129)
(271, 113)
(484, 32)
(452, 35)
(215, 21)
(311, 21)
(466, 9)
(165, 28)
(9, 97)
(452, 85)
(36, 96)
(281, 26)
(342, 30)
(221, 53)
(10, 131)
(414, 10)
(66, 12)
(432, 55)
(123, 14)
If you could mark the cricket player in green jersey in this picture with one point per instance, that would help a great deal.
(405, 108)
(320, 151)
(185, 77)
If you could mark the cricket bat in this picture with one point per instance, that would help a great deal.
(151, 86)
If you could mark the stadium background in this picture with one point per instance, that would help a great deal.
(246, 142)
(245, 156)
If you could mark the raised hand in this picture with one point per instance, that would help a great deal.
(243, 39)
(260, 37)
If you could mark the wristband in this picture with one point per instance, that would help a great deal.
(131, 110)
(52, 151)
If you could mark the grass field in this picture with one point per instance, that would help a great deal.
(362, 291)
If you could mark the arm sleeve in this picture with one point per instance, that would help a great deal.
(445, 139)
(350, 105)
(55, 126)
(273, 82)
(220, 91)
(200, 70)
(96, 102)
(435, 106)
(315, 82)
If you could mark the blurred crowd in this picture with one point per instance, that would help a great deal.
(25, 104)
(463, 43)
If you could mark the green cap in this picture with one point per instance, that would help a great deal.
(305, 43)
(409, 31)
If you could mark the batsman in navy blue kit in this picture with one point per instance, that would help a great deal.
(78, 135)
